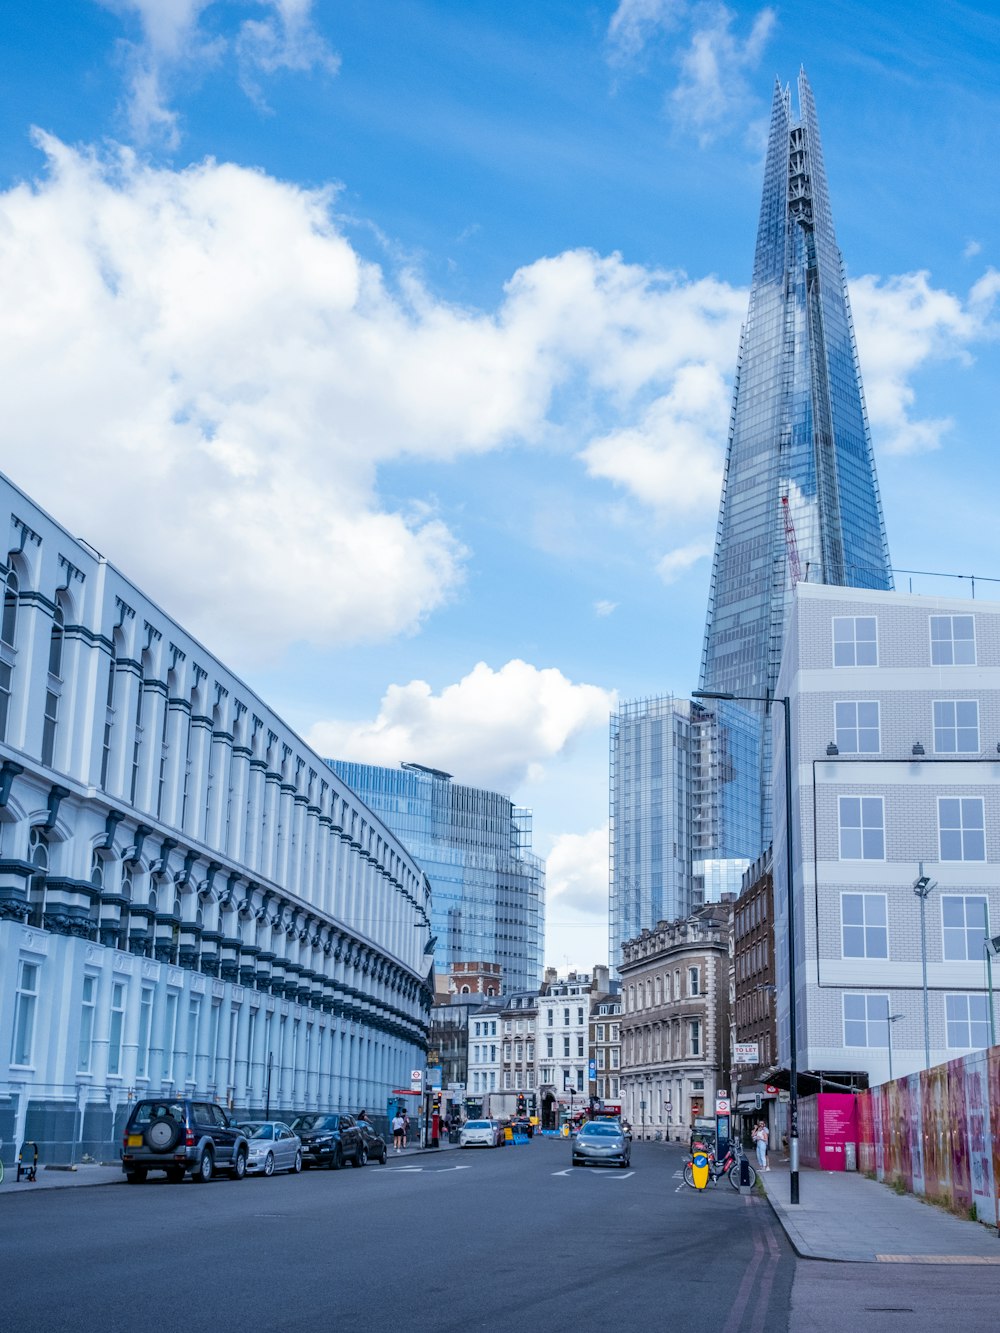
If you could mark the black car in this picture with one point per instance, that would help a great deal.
(522, 1125)
(330, 1140)
(176, 1135)
(375, 1144)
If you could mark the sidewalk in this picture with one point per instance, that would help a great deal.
(50, 1178)
(843, 1216)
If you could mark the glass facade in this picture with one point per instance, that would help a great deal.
(487, 888)
(800, 498)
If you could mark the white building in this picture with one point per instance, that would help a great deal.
(190, 900)
(485, 1046)
(895, 737)
(562, 1049)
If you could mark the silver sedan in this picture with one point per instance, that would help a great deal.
(273, 1147)
(602, 1141)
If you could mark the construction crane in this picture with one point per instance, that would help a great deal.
(794, 568)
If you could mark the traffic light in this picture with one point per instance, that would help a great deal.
(522, 1106)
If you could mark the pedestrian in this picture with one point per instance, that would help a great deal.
(363, 1116)
(398, 1130)
(760, 1137)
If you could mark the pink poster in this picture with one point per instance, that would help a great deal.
(977, 1119)
(837, 1122)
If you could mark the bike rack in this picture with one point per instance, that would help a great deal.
(30, 1172)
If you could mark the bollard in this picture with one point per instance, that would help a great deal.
(744, 1175)
(30, 1173)
(699, 1170)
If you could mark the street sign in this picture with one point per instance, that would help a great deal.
(722, 1092)
(592, 1070)
(746, 1053)
(416, 1079)
(770, 1089)
(722, 1106)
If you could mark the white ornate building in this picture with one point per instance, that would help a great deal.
(190, 900)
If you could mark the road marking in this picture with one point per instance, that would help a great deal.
(395, 1169)
(438, 1169)
(624, 1177)
(567, 1172)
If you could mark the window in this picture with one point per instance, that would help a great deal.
(493, 1052)
(694, 981)
(8, 626)
(601, 1057)
(862, 830)
(550, 1017)
(87, 1010)
(548, 1047)
(579, 1016)
(961, 834)
(194, 1023)
(116, 1023)
(965, 922)
(953, 641)
(856, 727)
(863, 925)
(56, 643)
(956, 726)
(25, 999)
(145, 1026)
(49, 727)
(865, 1020)
(579, 1046)
(565, 1018)
(968, 1019)
(6, 676)
(579, 1080)
(170, 1035)
(694, 1033)
(855, 641)
(565, 1046)
(614, 1032)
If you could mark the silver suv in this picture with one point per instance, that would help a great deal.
(176, 1135)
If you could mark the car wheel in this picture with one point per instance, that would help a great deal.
(136, 1176)
(362, 1156)
(298, 1162)
(385, 1155)
(175, 1174)
(269, 1164)
(205, 1169)
(337, 1160)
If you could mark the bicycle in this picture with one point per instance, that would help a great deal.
(729, 1166)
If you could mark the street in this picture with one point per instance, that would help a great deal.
(479, 1239)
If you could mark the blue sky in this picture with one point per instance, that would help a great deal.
(389, 343)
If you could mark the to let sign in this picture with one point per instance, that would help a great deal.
(746, 1053)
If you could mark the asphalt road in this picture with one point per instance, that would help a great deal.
(505, 1239)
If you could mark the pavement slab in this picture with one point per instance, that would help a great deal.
(844, 1216)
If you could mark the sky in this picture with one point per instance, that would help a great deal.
(389, 344)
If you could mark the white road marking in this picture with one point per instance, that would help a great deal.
(624, 1177)
(567, 1172)
(439, 1169)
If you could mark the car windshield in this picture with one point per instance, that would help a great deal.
(313, 1124)
(601, 1131)
(479, 1124)
(260, 1131)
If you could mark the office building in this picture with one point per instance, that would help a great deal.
(488, 889)
(190, 901)
(895, 739)
(800, 500)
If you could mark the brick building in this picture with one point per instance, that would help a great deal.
(753, 1011)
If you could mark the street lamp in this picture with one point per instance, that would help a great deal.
(793, 1059)
(992, 946)
(922, 886)
(889, 1020)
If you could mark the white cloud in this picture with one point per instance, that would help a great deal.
(494, 729)
(711, 58)
(604, 608)
(576, 874)
(174, 44)
(672, 458)
(679, 561)
(903, 324)
(972, 248)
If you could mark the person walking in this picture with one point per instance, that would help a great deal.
(761, 1136)
(398, 1130)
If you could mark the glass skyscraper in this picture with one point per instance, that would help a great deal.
(799, 497)
(487, 887)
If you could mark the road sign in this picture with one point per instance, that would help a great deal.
(770, 1089)
(722, 1106)
(416, 1079)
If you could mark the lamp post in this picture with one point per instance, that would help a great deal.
(922, 886)
(793, 1060)
(889, 1020)
(991, 946)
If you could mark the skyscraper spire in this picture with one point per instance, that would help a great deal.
(799, 486)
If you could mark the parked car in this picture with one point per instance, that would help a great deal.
(375, 1144)
(479, 1134)
(176, 1135)
(602, 1142)
(330, 1140)
(273, 1147)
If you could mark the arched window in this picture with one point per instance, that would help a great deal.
(38, 855)
(8, 625)
(56, 642)
(109, 716)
